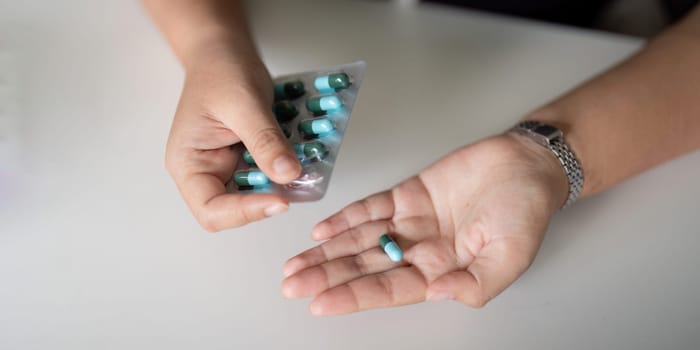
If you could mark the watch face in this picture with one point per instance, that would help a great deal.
(548, 131)
(545, 129)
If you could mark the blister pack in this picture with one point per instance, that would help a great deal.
(313, 109)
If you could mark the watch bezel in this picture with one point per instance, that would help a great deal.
(551, 137)
(543, 133)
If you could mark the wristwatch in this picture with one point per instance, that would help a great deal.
(553, 138)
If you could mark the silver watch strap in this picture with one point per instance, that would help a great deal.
(567, 158)
(572, 168)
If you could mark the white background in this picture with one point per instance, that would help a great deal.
(98, 251)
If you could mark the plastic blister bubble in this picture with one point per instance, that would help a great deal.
(313, 108)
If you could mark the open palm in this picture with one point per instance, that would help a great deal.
(469, 225)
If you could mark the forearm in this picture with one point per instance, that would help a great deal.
(200, 29)
(638, 114)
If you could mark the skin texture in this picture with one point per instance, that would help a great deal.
(465, 238)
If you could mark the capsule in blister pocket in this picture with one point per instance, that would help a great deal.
(310, 151)
(318, 127)
(321, 105)
(289, 90)
(332, 82)
(313, 110)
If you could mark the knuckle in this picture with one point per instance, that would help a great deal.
(314, 254)
(213, 221)
(385, 284)
(240, 217)
(365, 207)
(267, 140)
(243, 217)
(355, 236)
(361, 264)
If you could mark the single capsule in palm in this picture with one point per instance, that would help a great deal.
(391, 248)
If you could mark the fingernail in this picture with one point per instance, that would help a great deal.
(275, 209)
(284, 165)
(439, 296)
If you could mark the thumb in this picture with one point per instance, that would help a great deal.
(262, 136)
(483, 280)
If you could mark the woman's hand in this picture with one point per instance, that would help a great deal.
(469, 226)
(224, 102)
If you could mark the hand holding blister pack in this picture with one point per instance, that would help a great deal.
(313, 110)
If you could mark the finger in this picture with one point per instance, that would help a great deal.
(485, 278)
(351, 242)
(379, 206)
(399, 286)
(315, 279)
(267, 144)
(215, 209)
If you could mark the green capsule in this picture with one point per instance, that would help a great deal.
(331, 82)
(323, 104)
(390, 247)
(248, 158)
(310, 151)
(289, 90)
(285, 111)
(316, 127)
(250, 178)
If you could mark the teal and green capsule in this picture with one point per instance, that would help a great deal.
(320, 105)
(316, 127)
(332, 82)
(250, 178)
(289, 90)
(284, 111)
(391, 248)
(248, 158)
(310, 151)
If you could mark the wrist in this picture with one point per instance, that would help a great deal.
(219, 47)
(546, 166)
(225, 73)
(565, 119)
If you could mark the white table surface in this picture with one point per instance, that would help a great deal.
(98, 251)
